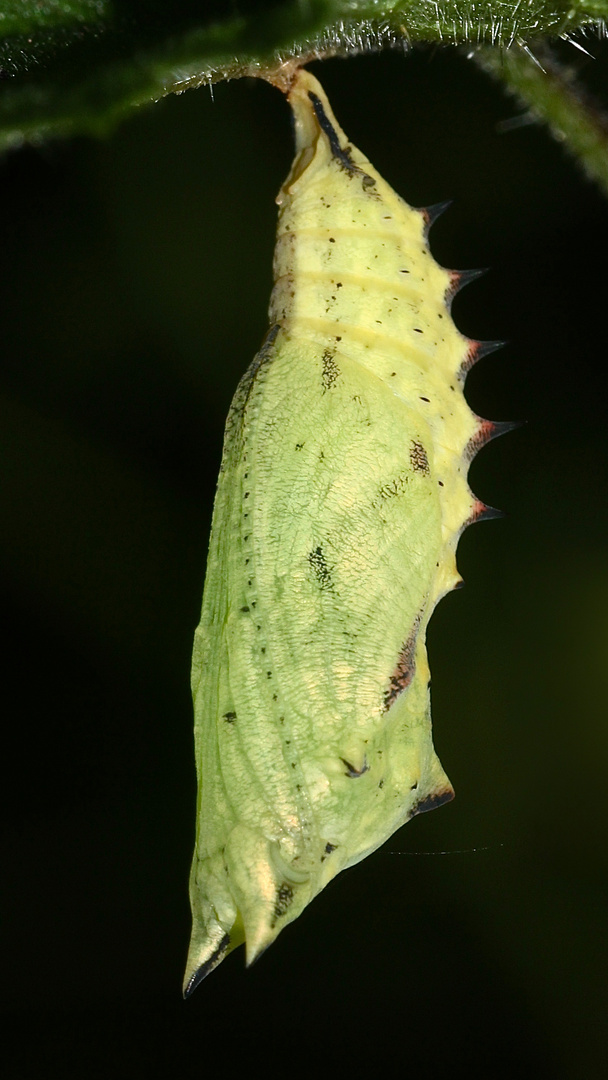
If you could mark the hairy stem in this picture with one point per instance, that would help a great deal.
(552, 94)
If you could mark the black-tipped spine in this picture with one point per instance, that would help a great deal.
(483, 512)
(431, 213)
(477, 351)
(459, 279)
(487, 431)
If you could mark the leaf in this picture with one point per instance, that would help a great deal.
(79, 65)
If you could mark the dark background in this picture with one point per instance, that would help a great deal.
(136, 278)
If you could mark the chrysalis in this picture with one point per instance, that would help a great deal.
(341, 498)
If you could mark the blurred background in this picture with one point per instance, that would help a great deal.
(137, 273)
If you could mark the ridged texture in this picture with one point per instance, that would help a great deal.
(341, 498)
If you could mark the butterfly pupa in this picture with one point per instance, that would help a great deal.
(341, 498)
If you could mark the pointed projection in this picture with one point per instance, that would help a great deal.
(340, 501)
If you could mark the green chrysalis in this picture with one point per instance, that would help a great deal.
(341, 498)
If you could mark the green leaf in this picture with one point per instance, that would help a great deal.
(79, 65)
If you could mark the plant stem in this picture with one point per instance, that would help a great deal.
(551, 93)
